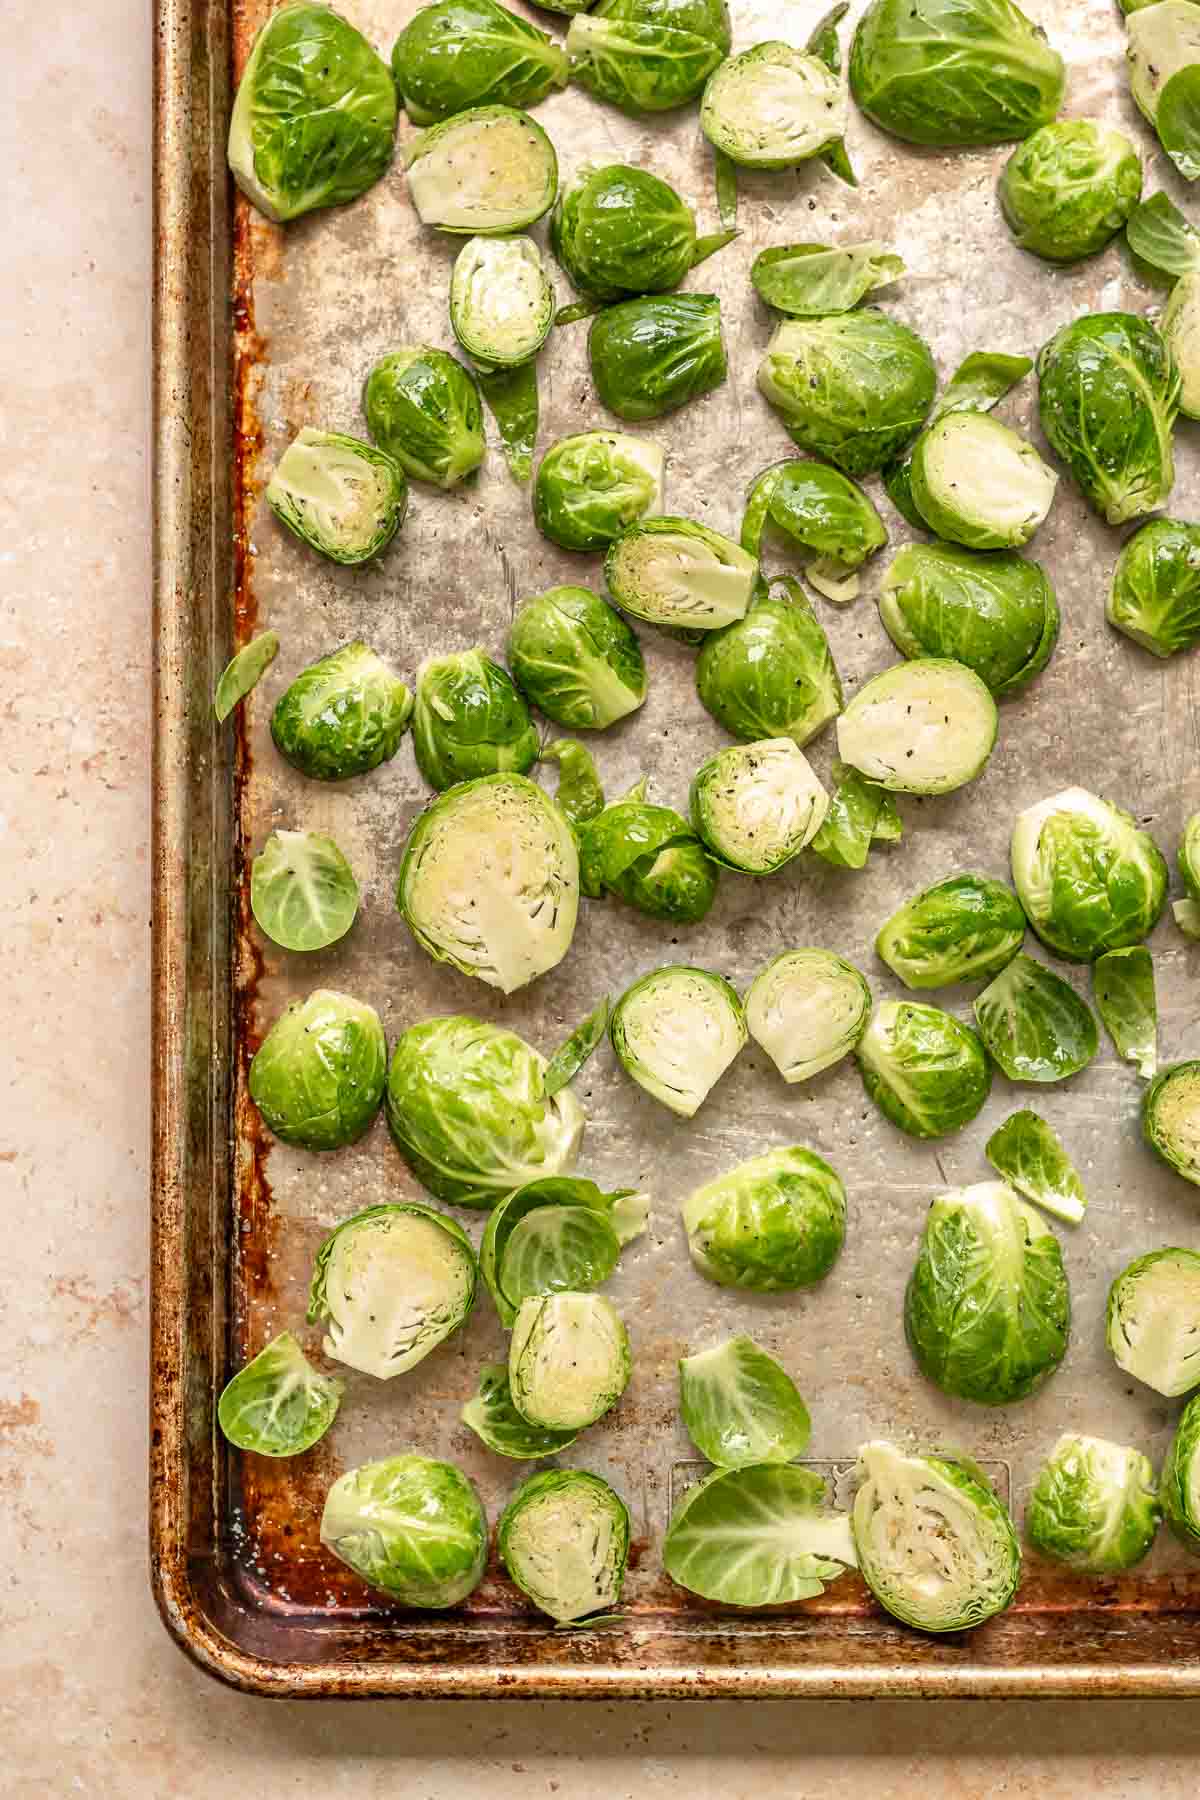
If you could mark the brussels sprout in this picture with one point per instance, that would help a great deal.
(740, 1408)
(410, 1526)
(278, 1405)
(977, 483)
(468, 1111)
(1188, 856)
(855, 820)
(338, 495)
(1180, 327)
(1034, 1023)
(470, 720)
(1179, 1483)
(1163, 46)
(824, 512)
(757, 1537)
(558, 1235)
(575, 1050)
(457, 54)
(1088, 879)
(922, 727)
(501, 301)
(954, 72)
(1108, 393)
(1027, 1155)
(773, 107)
(772, 1224)
(961, 929)
(318, 1077)
(1094, 1506)
(490, 880)
(315, 115)
(1124, 987)
(810, 281)
(491, 1415)
(1067, 190)
(302, 890)
(978, 384)
(576, 658)
(342, 716)
(807, 1008)
(997, 613)
(935, 1546)
(649, 856)
(756, 806)
(675, 1032)
(1171, 1118)
(674, 572)
(591, 486)
(620, 231)
(653, 354)
(580, 795)
(987, 1310)
(1153, 1306)
(484, 172)
(564, 1539)
(243, 672)
(1177, 121)
(1155, 594)
(853, 388)
(1159, 236)
(648, 56)
(512, 397)
(568, 1360)
(926, 1071)
(389, 1285)
(425, 410)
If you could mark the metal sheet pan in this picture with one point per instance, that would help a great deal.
(260, 332)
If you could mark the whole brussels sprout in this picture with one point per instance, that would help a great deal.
(1068, 189)
(1088, 879)
(653, 354)
(997, 613)
(961, 929)
(340, 496)
(756, 806)
(977, 483)
(648, 856)
(457, 54)
(1034, 1023)
(278, 1404)
(774, 1223)
(619, 231)
(425, 410)
(1152, 1312)
(1179, 1483)
(921, 727)
(315, 114)
(773, 107)
(675, 1032)
(318, 1077)
(1180, 327)
(648, 56)
(757, 1536)
(469, 720)
(482, 173)
(576, 659)
(389, 1285)
(501, 301)
(589, 487)
(823, 511)
(564, 1539)
(770, 674)
(925, 1070)
(568, 1360)
(807, 1008)
(342, 716)
(676, 573)
(1155, 594)
(410, 1526)
(1171, 1118)
(1094, 1506)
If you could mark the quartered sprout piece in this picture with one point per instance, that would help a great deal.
(965, 928)
(998, 613)
(558, 1235)
(773, 107)
(568, 1360)
(564, 1539)
(278, 1405)
(1068, 189)
(302, 890)
(675, 572)
(1034, 1023)
(649, 856)
(926, 1071)
(1153, 1308)
(740, 1407)
(810, 281)
(1123, 982)
(922, 727)
(457, 54)
(491, 1415)
(979, 483)
(1155, 593)
(1088, 879)
(483, 172)
(470, 720)
(1094, 1506)
(757, 1537)
(1028, 1155)
(576, 659)
(756, 806)
(590, 486)
(675, 1032)
(318, 1077)
(342, 716)
(774, 1223)
(807, 1008)
(410, 1526)
(338, 495)
(426, 411)
(1171, 1118)
(651, 355)
(244, 671)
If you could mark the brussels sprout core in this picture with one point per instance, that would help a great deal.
(756, 806)
(410, 1526)
(568, 1360)
(389, 1285)
(1088, 879)
(977, 483)
(676, 1031)
(1094, 1506)
(487, 171)
(772, 1224)
(339, 495)
(564, 1539)
(672, 571)
(772, 107)
(501, 301)
(1153, 1306)
(923, 727)
(808, 1009)
(1171, 1118)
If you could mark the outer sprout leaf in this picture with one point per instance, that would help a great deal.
(1123, 982)
(512, 395)
(727, 191)
(1026, 1153)
(1158, 234)
(571, 1055)
(740, 1407)
(1178, 121)
(809, 281)
(889, 826)
(302, 890)
(1034, 1023)
(981, 381)
(757, 1536)
(243, 672)
(491, 1415)
(579, 792)
(555, 1245)
(848, 828)
(278, 1405)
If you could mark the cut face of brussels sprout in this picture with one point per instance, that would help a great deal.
(1125, 1000)
(650, 857)
(963, 929)
(1171, 1118)
(1155, 595)
(935, 1546)
(579, 795)
(244, 672)
(457, 54)
(564, 1539)
(925, 1071)
(576, 659)
(822, 511)
(501, 301)
(491, 1415)
(342, 716)
(409, 1526)
(318, 1077)
(757, 1536)
(591, 486)
(1180, 328)
(469, 720)
(469, 1113)
(559, 1235)
(977, 483)
(1163, 39)
(338, 495)
(808, 1009)
(923, 727)
(756, 806)
(315, 115)
(1186, 914)
(675, 1032)
(1034, 1023)
(997, 613)
(773, 107)
(302, 890)
(978, 384)
(389, 1285)
(740, 1407)
(490, 881)
(425, 410)
(619, 231)
(1179, 1484)
(810, 281)
(772, 1224)
(568, 1360)
(987, 1309)
(575, 1050)
(1094, 1506)
(1069, 188)
(278, 1405)
(1153, 1308)
(672, 571)
(647, 56)
(484, 172)
(1087, 878)
(1027, 1155)
(651, 355)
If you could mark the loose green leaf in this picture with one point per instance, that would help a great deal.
(512, 395)
(889, 826)
(709, 245)
(811, 281)
(1028, 1155)
(848, 829)
(1158, 234)
(278, 1405)
(243, 672)
(580, 794)
(1178, 121)
(825, 44)
(1123, 982)
(981, 381)
(571, 1055)
(302, 890)
(757, 1536)
(1034, 1023)
(740, 1407)
(578, 309)
(491, 1415)
(727, 188)
(539, 1241)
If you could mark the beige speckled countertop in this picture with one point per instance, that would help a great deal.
(93, 1698)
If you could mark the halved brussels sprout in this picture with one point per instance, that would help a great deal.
(1125, 1000)
(1153, 1306)
(1188, 856)
(342, 716)
(997, 613)
(647, 56)
(740, 1408)
(591, 486)
(1094, 1506)
(470, 720)
(1179, 1483)
(770, 674)
(576, 659)
(318, 1077)
(853, 388)
(491, 1415)
(1180, 327)
(756, 806)
(653, 354)
(557, 1235)
(954, 72)
(468, 1111)
(564, 1539)
(457, 54)
(302, 890)
(1155, 595)
(757, 1536)
(650, 857)
(1163, 51)
(672, 571)
(772, 1224)
(568, 1360)
(810, 281)
(243, 672)
(1068, 189)
(1171, 1118)
(620, 231)
(501, 301)
(425, 410)
(675, 1032)
(1034, 1023)
(483, 172)
(965, 928)
(821, 510)
(860, 814)
(773, 107)
(340, 496)
(1088, 878)
(935, 1545)
(807, 1008)
(1027, 1155)
(977, 483)
(278, 1404)
(925, 1070)
(922, 727)
(410, 1526)
(389, 1285)
(490, 880)
(987, 1310)
(315, 114)
(978, 384)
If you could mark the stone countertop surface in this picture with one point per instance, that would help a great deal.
(94, 1700)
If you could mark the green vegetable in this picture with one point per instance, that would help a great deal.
(484, 172)
(757, 1537)
(302, 890)
(756, 806)
(647, 56)
(342, 716)
(653, 354)
(921, 727)
(580, 795)
(1159, 236)
(575, 1050)
(318, 1077)
(244, 671)
(1188, 856)
(1027, 1155)
(1171, 1118)
(772, 1224)
(576, 658)
(1153, 1306)
(1178, 121)
(315, 114)
(987, 1310)
(810, 281)
(568, 1360)
(278, 1405)
(1067, 190)
(1124, 988)
(807, 1008)
(426, 411)
(822, 511)
(461, 53)
(557, 1235)
(1162, 51)
(650, 857)
(674, 572)
(620, 231)
(823, 43)
(1155, 594)
(389, 1285)
(978, 384)
(965, 928)
(340, 496)
(591, 486)
(740, 1408)
(491, 1415)
(501, 301)
(410, 1526)
(512, 397)
(925, 1071)
(773, 107)
(1179, 1483)
(1180, 327)
(470, 720)
(996, 613)
(1034, 1023)
(1088, 879)
(855, 820)
(564, 1539)
(675, 1032)
(1094, 1506)
(977, 483)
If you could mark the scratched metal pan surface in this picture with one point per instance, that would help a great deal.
(262, 331)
